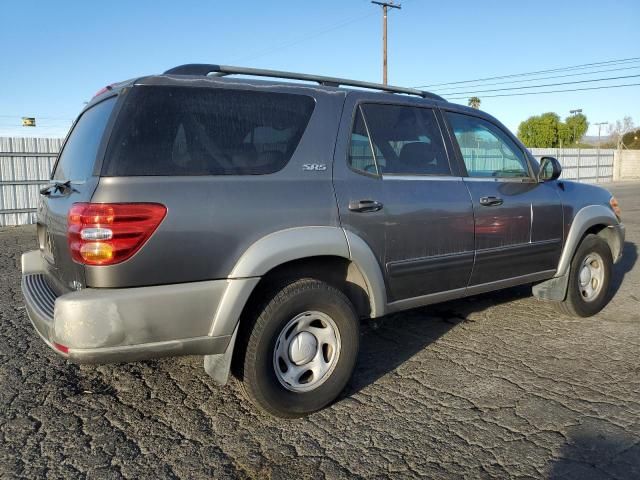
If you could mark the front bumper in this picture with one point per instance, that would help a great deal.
(97, 325)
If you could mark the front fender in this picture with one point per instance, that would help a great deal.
(586, 218)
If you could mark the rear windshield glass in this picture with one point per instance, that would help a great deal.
(79, 153)
(206, 131)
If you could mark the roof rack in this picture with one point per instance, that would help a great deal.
(223, 70)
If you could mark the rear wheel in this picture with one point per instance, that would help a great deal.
(298, 350)
(589, 279)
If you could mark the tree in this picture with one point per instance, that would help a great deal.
(474, 102)
(564, 135)
(540, 130)
(577, 126)
(618, 130)
(548, 131)
(631, 140)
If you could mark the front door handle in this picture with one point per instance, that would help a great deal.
(363, 206)
(491, 201)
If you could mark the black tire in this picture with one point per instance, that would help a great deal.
(575, 303)
(254, 359)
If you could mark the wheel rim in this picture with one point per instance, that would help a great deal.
(306, 351)
(591, 276)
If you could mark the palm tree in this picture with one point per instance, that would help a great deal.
(474, 102)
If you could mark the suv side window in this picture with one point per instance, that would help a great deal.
(487, 151)
(406, 140)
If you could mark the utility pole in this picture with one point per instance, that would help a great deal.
(385, 6)
(598, 157)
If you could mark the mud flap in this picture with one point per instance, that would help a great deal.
(218, 366)
(554, 289)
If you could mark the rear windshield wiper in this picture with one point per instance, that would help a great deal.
(57, 187)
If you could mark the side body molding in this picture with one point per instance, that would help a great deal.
(586, 218)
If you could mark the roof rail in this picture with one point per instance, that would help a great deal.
(223, 70)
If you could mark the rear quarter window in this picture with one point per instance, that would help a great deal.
(206, 131)
(79, 153)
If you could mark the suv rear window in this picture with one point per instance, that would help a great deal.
(79, 153)
(206, 131)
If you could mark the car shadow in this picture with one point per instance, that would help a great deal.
(388, 342)
(596, 448)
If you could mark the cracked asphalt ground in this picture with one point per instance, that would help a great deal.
(493, 386)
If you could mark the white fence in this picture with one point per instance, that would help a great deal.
(26, 163)
(584, 165)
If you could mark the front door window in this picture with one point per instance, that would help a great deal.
(487, 151)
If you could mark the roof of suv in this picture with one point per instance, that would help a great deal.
(218, 73)
(201, 69)
(210, 74)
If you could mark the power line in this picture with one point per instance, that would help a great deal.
(540, 86)
(38, 125)
(39, 117)
(552, 70)
(553, 91)
(538, 78)
(307, 37)
(304, 38)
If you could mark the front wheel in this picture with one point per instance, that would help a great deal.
(298, 351)
(589, 279)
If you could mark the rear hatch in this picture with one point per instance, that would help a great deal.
(72, 181)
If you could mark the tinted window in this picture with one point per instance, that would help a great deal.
(406, 140)
(486, 149)
(206, 131)
(79, 153)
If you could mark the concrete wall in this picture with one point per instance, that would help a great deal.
(626, 165)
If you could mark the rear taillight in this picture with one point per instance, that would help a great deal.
(110, 233)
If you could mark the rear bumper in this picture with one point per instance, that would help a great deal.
(130, 324)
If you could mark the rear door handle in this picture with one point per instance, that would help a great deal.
(491, 201)
(363, 206)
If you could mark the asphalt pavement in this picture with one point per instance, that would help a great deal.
(494, 386)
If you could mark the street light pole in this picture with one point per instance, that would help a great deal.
(599, 127)
(385, 6)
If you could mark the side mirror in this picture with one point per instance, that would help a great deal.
(550, 169)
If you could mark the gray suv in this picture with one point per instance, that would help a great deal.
(254, 222)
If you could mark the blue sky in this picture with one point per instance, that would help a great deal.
(56, 55)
